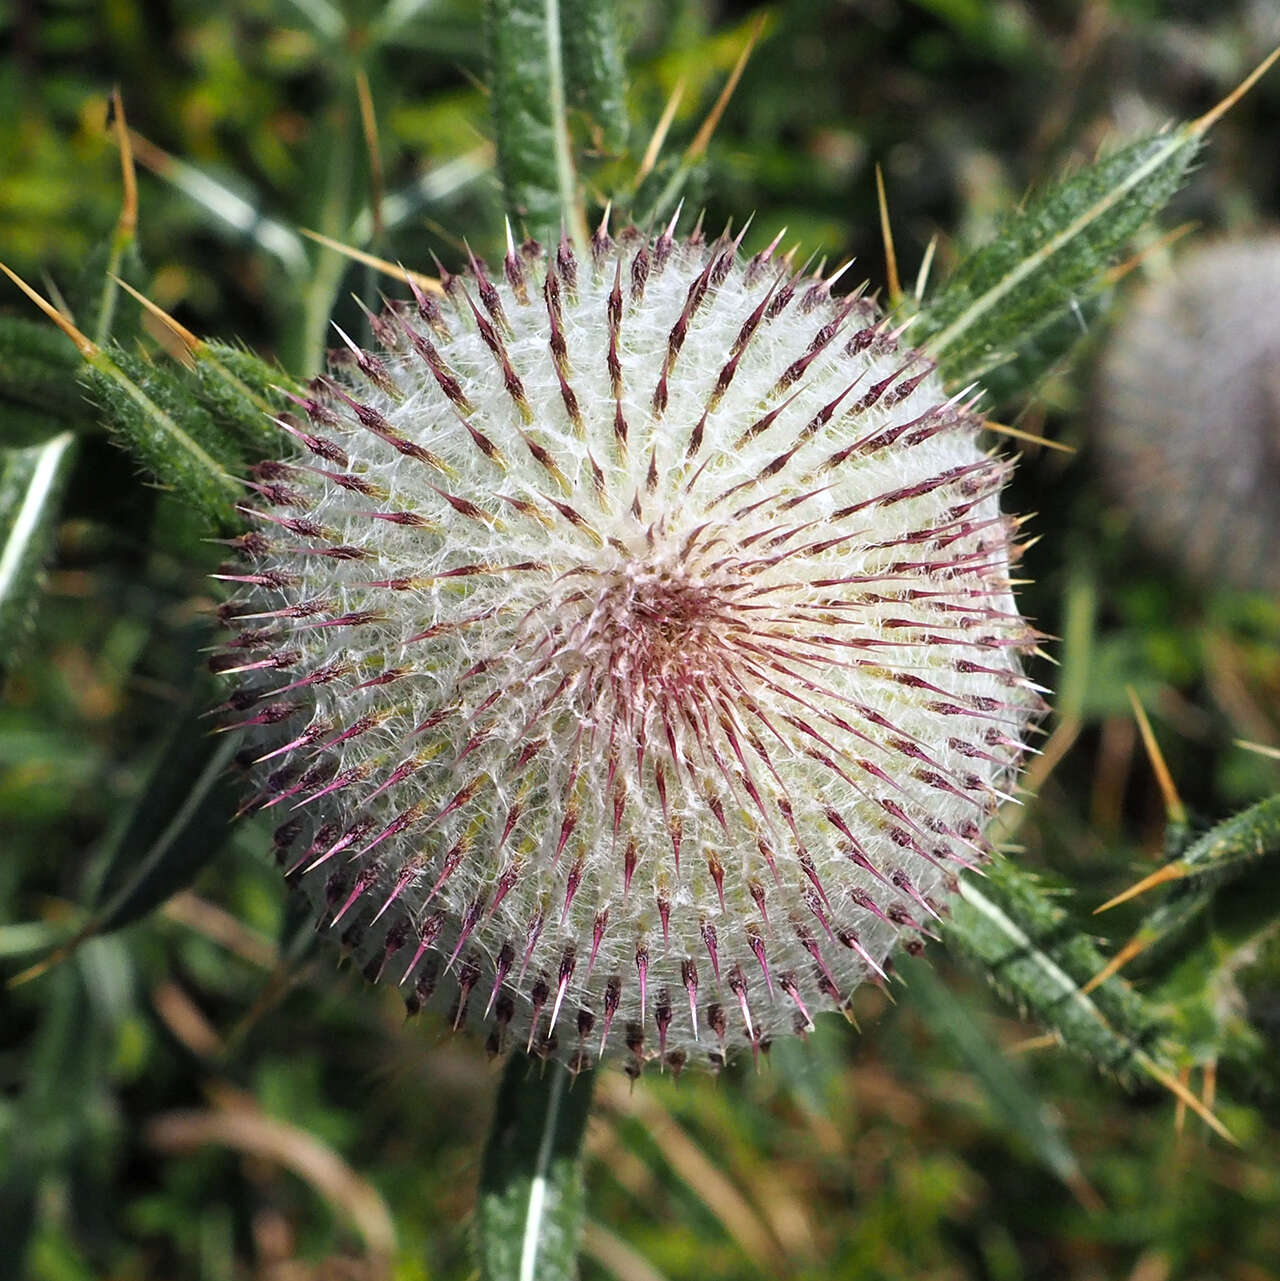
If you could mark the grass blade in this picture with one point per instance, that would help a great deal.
(226, 208)
(1008, 1092)
(145, 870)
(31, 485)
(179, 822)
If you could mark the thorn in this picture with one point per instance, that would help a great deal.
(191, 341)
(767, 252)
(710, 941)
(597, 933)
(1180, 1112)
(756, 943)
(835, 275)
(886, 234)
(1003, 429)
(642, 969)
(1209, 1092)
(1169, 872)
(566, 973)
(689, 977)
(703, 136)
(1122, 269)
(671, 226)
(1134, 947)
(466, 981)
(350, 342)
(1045, 1041)
(612, 995)
(654, 149)
(1199, 127)
(788, 985)
(506, 957)
(1173, 806)
(926, 264)
(429, 283)
(537, 999)
(88, 349)
(738, 986)
(127, 223)
(851, 940)
(1180, 1091)
(662, 1017)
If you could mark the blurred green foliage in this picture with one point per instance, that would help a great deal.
(916, 1149)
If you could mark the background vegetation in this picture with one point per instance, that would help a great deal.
(202, 1093)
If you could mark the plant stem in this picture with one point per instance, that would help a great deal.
(529, 1215)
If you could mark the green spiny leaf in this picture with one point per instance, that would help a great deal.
(529, 1215)
(1230, 849)
(230, 393)
(1035, 956)
(1223, 854)
(1203, 993)
(1169, 923)
(1049, 254)
(1199, 867)
(39, 369)
(595, 70)
(527, 74)
(170, 387)
(1048, 346)
(157, 422)
(242, 391)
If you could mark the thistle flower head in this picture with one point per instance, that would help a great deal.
(1189, 413)
(629, 648)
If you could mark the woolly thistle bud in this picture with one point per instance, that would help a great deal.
(632, 648)
(1189, 413)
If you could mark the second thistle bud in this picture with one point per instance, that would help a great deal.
(630, 648)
